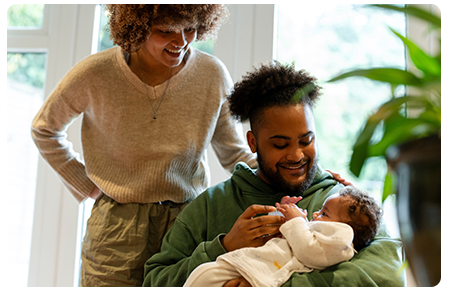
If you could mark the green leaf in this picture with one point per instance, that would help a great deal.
(413, 11)
(390, 75)
(362, 144)
(432, 116)
(399, 129)
(303, 91)
(358, 158)
(430, 66)
(389, 185)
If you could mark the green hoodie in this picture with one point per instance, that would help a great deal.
(194, 238)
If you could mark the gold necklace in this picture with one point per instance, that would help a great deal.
(146, 89)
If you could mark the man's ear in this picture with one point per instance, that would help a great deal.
(251, 140)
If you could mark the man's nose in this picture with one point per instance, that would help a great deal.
(295, 154)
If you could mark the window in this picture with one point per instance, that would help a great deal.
(25, 82)
(40, 218)
(25, 16)
(26, 72)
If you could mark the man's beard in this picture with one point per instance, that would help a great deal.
(278, 183)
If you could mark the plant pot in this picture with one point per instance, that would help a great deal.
(417, 165)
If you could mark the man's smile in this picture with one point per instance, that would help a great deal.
(294, 168)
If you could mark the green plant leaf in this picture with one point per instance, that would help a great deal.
(391, 75)
(430, 66)
(432, 115)
(358, 158)
(413, 11)
(389, 185)
(399, 129)
(363, 142)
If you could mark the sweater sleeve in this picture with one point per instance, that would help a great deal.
(228, 140)
(378, 264)
(319, 244)
(185, 247)
(48, 132)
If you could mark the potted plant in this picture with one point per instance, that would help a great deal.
(411, 144)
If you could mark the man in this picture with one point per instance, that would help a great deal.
(278, 102)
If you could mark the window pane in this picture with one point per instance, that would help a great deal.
(330, 39)
(103, 38)
(25, 16)
(25, 81)
(206, 46)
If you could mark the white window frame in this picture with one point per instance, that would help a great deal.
(247, 40)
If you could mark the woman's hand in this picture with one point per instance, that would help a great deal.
(339, 179)
(249, 231)
(95, 193)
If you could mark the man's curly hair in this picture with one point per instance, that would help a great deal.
(365, 215)
(130, 24)
(273, 84)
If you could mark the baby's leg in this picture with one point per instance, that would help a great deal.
(212, 274)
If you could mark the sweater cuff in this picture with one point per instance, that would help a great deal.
(215, 248)
(73, 175)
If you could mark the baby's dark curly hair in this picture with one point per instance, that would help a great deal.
(130, 24)
(365, 215)
(273, 84)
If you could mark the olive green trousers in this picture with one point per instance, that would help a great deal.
(120, 238)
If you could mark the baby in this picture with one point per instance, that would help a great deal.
(347, 222)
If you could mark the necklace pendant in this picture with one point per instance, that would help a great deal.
(154, 117)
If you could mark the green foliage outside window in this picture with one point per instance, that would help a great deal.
(27, 68)
(25, 15)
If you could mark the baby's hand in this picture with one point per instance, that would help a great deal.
(290, 200)
(291, 211)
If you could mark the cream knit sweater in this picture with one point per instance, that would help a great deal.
(129, 155)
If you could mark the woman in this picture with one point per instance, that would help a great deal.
(151, 107)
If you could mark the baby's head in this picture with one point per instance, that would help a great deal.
(355, 208)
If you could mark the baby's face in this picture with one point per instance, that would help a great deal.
(335, 208)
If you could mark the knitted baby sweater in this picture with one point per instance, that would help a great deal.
(129, 155)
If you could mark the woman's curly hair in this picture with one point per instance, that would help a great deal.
(273, 84)
(130, 24)
(365, 215)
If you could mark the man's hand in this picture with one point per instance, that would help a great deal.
(238, 282)
(248, 231)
